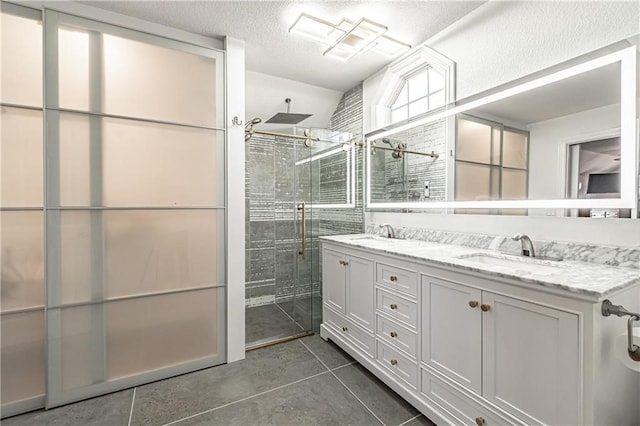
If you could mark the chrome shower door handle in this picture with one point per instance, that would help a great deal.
(303, 228)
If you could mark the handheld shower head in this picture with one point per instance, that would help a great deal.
(256, 120)
(248, 128)
(388, 142)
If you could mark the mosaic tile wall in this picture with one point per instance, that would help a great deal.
(274, 184)
(403, 179)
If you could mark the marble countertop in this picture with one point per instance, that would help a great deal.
(587, 279)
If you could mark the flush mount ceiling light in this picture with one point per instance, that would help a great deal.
(347, 39)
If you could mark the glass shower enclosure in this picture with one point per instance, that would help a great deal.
(292, 190)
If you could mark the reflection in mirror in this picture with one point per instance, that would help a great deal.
(593, 171)
(527, 146)
(326, 169)
(410, 166)
(491, 162)
(569, 111)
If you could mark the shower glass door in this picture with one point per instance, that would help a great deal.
(291, 193)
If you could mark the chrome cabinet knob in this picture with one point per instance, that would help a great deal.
(393, 278)
(473, 303)
(344, 329)
(393, 334)
(480, 421)
(485, 308)
(394, 362)
(393, 306)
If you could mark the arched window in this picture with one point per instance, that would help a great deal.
(418, 83)
(422, 91)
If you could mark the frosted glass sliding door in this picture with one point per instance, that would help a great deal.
(22, 298)
(135, 211)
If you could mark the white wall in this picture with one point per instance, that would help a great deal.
(502, 41)
(265, 95)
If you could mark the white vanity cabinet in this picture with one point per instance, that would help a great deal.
(397, 318)
(348, 296)
(521, 356)
(474, 348)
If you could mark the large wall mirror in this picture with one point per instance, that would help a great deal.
(563, 139)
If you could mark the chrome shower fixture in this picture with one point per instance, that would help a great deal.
(288, 117)
(256, 120)
(248, 128)
(398, 149)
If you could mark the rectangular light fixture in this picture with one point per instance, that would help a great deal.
(357, 40)
(317, 29)
(347, 38)
(389, 47)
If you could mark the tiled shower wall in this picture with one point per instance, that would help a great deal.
(403, 179)
(271, 195)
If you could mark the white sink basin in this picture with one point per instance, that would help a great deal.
(519, 265)
(377, 238)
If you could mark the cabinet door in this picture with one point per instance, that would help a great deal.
(531, 360)
(360, 291)
(451, 330)
(333, 280)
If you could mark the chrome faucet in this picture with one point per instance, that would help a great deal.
(527, 245)
(390, 232)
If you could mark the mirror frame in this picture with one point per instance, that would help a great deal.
(628, 139)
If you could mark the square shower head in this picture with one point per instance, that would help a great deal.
(288, 118)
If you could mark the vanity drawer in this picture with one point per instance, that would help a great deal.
(397, 278)
(397, 364)
(361, 338)
(397, 335)
(463, 408)
(397, 307)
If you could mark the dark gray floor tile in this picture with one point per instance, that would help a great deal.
(306, 310)
(420, 421)
(263, 369)
(328, 352)
(321, 400)
(384, 402)
(268, 322)
(107, 410)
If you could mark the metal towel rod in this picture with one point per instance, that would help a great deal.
(608, 309)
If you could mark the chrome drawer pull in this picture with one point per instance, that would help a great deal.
(393, 306)
(393, 334)
(394, 362)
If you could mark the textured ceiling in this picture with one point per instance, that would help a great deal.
(271, 49)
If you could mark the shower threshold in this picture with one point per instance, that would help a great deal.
(271, 342)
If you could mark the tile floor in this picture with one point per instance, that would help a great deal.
(268, 323)
(301, 382)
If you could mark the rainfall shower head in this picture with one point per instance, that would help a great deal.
(288, 117)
